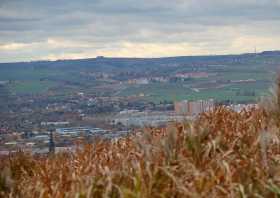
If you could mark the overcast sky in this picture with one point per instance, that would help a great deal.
(70, 29)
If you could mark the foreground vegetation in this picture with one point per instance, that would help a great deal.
(221, 154)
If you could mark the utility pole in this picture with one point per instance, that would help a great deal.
(51, 143)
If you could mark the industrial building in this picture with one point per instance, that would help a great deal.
(78, 130)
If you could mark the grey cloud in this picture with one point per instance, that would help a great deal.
(102, 23)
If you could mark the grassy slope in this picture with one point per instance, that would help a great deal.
(259, 67)
(24, 87)
(176, 92)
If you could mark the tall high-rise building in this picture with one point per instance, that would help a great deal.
(182, 107)
(191, 108)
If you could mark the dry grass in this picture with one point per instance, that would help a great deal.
(221, 154)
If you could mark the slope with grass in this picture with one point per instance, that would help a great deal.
(40, 77)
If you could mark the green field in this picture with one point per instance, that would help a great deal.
(30, 87)
(176, 92)
(158, 92)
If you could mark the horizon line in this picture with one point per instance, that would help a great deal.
(160, 57)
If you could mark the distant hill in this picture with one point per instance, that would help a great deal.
(84, 74)
(270, 53)
(111, 64)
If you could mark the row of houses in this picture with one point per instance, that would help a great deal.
(192, 75)
(79, 130)
(184, 75)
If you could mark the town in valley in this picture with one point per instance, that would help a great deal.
(57, 104)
